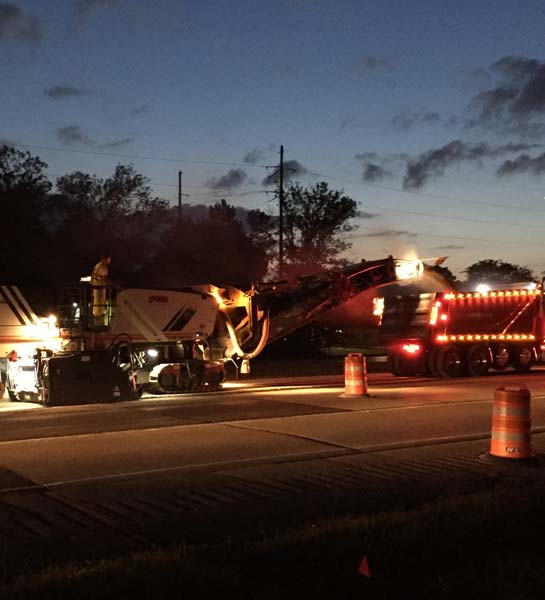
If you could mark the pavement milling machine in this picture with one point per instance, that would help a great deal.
(171, 341)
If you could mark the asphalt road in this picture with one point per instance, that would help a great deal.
(117, 476)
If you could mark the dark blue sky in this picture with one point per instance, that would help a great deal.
(430, 114)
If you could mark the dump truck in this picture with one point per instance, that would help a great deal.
(451, 334)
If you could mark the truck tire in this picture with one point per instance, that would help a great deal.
(135, 393)
(431, 363)
(14, 396)
(451, 361)
(402, 366)
(500, 360)
(523, 358)
(478, 360)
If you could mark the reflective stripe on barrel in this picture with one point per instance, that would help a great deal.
(511, 435)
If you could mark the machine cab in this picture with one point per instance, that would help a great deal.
(87, 308)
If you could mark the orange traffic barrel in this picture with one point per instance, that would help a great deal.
(511, 435)
(355, 375)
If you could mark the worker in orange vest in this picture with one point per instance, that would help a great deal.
(99, 280)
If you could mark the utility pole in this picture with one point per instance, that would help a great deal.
(180, 197)
(281, 216)
(280, 172)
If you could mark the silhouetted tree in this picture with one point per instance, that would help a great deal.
(116, 215)
(212, 250)
(314, 220)
(223, 214)
(446, 274)
(23, 234)
(263, 230)
(497, 272)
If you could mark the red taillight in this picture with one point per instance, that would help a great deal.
(411, 348)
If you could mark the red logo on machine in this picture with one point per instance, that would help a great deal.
(158, 299)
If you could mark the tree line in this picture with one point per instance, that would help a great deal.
(52, 235)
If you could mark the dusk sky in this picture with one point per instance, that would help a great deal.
(430, 114)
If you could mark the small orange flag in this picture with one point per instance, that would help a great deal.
(364, 567)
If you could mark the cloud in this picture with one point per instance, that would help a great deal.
(377, 168)
(523, 164)
(253, 156)
(410, 118)
(292, 169)
(373, 172)
(516, 101)
(371, 64)
(59, 92)
(117, 144)
(72, 135)
(516, 68)
(367, 156)
(448, 247)
(480, 75)
(390, 233)
(235, 178)
(365, 215)
(85, 7)
(434, 163)
(258, 155)
(139, 110)
(345, 122)
(18, 25)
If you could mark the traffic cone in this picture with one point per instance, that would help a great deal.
(363, 569)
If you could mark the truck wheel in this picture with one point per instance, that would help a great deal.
(478, 360)
(136, 394)
(14, 396)
(431, 363)
(402, 366)
(450, 362)
(501, 358)
(523, 358)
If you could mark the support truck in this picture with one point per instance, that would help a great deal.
(451, 334)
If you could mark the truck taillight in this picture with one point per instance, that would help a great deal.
(411, 348)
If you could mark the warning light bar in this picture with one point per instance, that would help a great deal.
(477, 337)
(492, 294)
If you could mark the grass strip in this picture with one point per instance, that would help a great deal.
(476, 546)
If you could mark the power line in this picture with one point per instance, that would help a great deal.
(250, 165)
(140, 157)
(466, 238)
(429, 195)
(449, 218)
